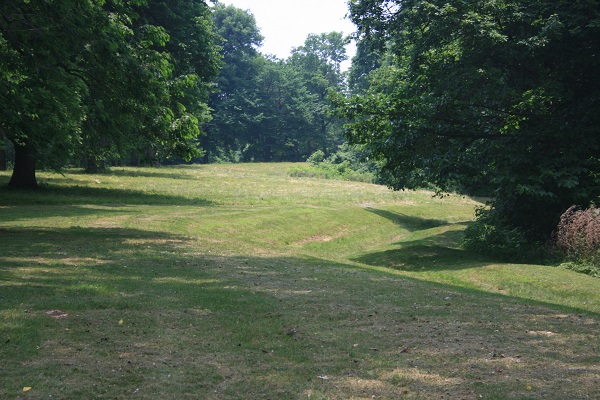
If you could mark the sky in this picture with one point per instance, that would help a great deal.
(287, 23)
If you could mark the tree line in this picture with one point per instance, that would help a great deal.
(95, 80)
(267, 109)
(103, 82)
(496, 98)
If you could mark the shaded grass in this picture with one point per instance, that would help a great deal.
(293, 289)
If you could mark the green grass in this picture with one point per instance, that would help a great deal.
(240, 282)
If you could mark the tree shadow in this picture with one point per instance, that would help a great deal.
(408, 222)
(436, 250)
(268, 324)
(95, 264)
(11, 213)
(80, 195)
(137, 173)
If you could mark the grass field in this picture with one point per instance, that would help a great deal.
(239, 282)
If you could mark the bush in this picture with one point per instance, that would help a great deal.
(578, 237)
(327, 170)
(316, 157)
(488, 235)
(582, 268)
(345, 164)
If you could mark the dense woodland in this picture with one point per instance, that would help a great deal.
(496, 98)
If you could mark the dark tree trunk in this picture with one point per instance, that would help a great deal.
(23, 176)
(3, 162)
(3, 152)
(93, 166)
(204, 144)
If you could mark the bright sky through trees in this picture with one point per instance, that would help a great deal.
(287, 23)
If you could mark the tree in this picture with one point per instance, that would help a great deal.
(263, 108)
(319, 62)
(236, 84)
(267, 109)
(3, 155)
(283, 115)
(368, 58)
(500, 95)
(98, 76)
(40, 105)
(195, 62)
(152, 103)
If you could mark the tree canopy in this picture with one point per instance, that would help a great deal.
(497, 98)
(266, 109)
(104, 81)
(94, 77)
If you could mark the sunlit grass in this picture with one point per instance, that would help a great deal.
(238, 281)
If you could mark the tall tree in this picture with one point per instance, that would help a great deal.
(236, 85)
(262, 109)
(194, 64)
(501, 93)
(98, 74)
(283, 115)
(41, 87)
(319, 62)
(368, 58)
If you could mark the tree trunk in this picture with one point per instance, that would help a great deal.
(93, 166)
(204, 145)
(3, 162)
(23, 176)
(3, 153)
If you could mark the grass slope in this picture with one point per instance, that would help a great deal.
(237, 281)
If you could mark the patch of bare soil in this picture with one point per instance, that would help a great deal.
(321, 238)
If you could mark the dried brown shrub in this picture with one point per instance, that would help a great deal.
(578, 234)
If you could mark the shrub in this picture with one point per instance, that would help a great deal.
(316, 157)
(582, 268)
(345, 164)
(326, 170)
(578, 237)
(489, 235)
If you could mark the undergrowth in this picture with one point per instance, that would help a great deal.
(578, 238)
(488, 235)
(346, 164)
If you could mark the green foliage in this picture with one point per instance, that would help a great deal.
(582, 267)
(100, 79)
(346, 164)
(489, 234)
(485, 97)
(368, 58)
(267, 109)
(41, 89)
(316, 157)
(259, 108)
(318, 63)
(328, 170)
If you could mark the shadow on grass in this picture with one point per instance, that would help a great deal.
(437, 250)
(45, 210)
(142, 307)
(145, 173)
(408, 222)
(73, 195)
(118, 268)
(422, 255)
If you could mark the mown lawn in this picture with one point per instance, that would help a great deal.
(239, 282)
